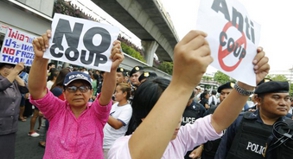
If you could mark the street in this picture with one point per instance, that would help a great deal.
(27, 147)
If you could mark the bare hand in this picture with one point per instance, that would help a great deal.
(196, 153)
(19, 67)
(191, 58)
(261, 66)
(41, 43)
(116, 55)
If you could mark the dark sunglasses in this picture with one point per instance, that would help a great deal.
(73, 89)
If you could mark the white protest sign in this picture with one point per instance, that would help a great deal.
(17, 47)
(81, 42)
(233, 37)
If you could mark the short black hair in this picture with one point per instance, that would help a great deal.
(6, 64)
(146, 96)
(214, 92)
(50, 64)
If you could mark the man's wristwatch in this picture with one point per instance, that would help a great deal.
(242, 91)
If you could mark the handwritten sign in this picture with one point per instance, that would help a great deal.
(81, 42)
(233, 37)
(17, 47)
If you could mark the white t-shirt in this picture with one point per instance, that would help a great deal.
(122, 113)
(49, 84)
(211, 100)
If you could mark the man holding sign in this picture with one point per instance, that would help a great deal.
(76, 126)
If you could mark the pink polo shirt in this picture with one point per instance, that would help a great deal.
(71, 137)
(188, 137)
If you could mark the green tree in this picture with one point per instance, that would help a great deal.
(207, 78)
(221, 77)
(279, 78)
(166, 67)
(291, 89)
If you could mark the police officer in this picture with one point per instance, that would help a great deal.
(120, 75)
(193, 111)
(208, 149)
(134, 75)
(248, 136)
(146, 75)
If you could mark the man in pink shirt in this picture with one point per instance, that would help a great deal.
(76, 125)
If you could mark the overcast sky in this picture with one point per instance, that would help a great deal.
(275, 18)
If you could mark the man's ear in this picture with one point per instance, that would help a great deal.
(257, 98)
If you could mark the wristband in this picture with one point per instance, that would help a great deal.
(242, 91)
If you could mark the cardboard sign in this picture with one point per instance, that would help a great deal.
(81, 42)
(233, 37)
(17, 47)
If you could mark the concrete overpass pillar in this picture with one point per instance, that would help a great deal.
(150, 48)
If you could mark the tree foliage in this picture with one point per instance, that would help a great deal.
(221, 77)
(207, 78)
(166, 67)
(132, 52)
(291, 90)
(279, 78)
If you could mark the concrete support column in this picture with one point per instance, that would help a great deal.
(150, 48)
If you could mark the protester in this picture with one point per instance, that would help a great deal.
(52, 78)
(119, 118)
(156, 135)
(24, 76)
(57, 89)
(213, 102)
(11, 88)
(49, 67)
(249, 135)
(204, 99)
(76, 125)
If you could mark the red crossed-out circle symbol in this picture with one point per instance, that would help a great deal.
(223, 53)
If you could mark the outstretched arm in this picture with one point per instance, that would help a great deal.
(191, 58)
(221, 119)
(109, 82)
(38, 73)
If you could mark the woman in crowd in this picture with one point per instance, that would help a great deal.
(57, 90)
(204, 99)
(76, 125)
(11, 88)
(158, 106)
(119, 118)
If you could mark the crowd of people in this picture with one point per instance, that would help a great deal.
(136, 114)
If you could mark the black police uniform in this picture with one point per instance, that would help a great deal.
(249, 138)
(246, 138)
(190, 114)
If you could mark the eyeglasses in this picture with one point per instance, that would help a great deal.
(73, 89)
